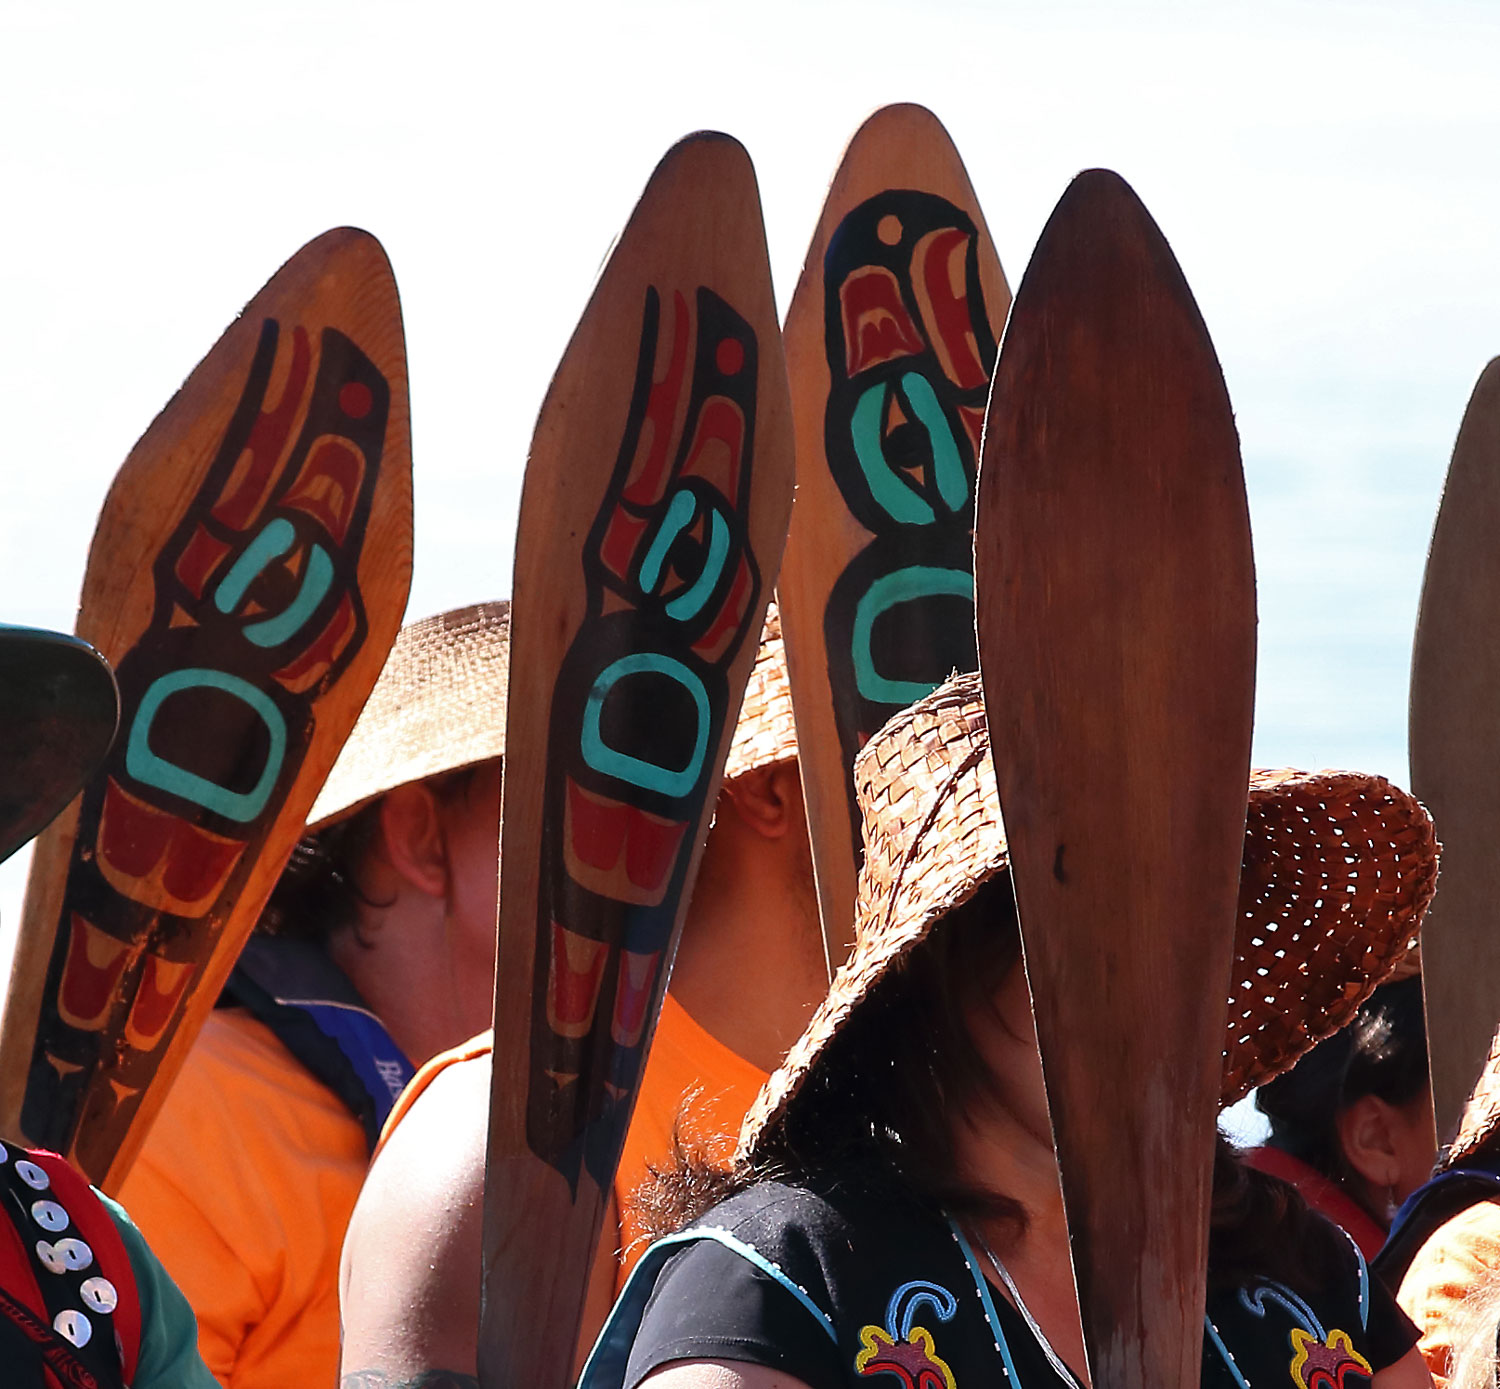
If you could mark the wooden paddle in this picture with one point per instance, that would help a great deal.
(652, 521)
(890, 340)
(1116, 608)
(246, 581)
(1455, 757)
(58, 710)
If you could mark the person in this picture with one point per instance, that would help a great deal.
(1351, 1122)
(895, 1205)
(1445, 1242)
(750, 968)
(375, 952)
(83, 1300)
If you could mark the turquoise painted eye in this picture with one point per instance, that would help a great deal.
(270, 545)
(890, 489)
(682, 511)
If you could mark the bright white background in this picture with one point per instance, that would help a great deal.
(1325, 172)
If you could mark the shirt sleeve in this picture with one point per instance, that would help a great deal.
(169, 1356)
(710, 1303)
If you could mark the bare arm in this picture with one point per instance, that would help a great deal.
(1409, 1372)
(409, 1281)
(730, 1374)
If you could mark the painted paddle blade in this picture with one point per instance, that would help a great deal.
(1116, 607)
(246, 580)
(890, 341)
(1455, 750)
(652, 522)
(58, 711)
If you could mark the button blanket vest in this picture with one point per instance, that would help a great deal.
(70, 1313)
(899, 1290)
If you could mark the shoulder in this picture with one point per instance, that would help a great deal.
(411, 1263)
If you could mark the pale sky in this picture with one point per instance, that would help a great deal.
(1325, 172)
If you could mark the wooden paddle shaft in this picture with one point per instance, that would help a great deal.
(1455, 757)
(1116, 609)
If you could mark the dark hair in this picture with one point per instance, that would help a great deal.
(879, 1104)
(318, 893)
(1383, 1052)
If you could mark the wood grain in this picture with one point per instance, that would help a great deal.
(1455, 754)
(246, 580)
(668, 416)
(1116, 609)
(897, 165)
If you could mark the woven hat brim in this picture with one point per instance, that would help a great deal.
(439, 706)
(1339, 868)
(767, 730)
(1481, 1117)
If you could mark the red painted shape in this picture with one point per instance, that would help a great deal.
(720, 633)
(599, 828)
(312, 665)
(632, 995)
(162, 986)
(972, 417)
(939, 262)
(248, 484)
(651, 850)
(648, 469)
(328, 485)
(729, 356)
(95, 963)
(621, 541)
(355, 399)
(877, 327)
(573, 978)
(153, 856)
(198, 560)
(720, 422)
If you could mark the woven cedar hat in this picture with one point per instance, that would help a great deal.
(1481, 1116)
(438, 706)
(766, 732)
(1338, 869)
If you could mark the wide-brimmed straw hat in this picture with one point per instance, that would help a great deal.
(1338, 869)
(767, 731)
(1481, 1117)
(439, 706)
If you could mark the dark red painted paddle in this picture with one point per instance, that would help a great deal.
(1116, 608)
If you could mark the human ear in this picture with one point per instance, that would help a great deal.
(412, 834)
(763, 798)
(1367, 1137)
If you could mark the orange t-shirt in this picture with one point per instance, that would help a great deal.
(688, 1073)
(244, 1189)
(1459, 1257)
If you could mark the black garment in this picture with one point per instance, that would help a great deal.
(837, 1288)
(1430, 1206)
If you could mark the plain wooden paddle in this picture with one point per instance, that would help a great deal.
(1116, 606)
(58, 710)
(652, 521)
(1455, 757)
(890, 341)
(246, 580)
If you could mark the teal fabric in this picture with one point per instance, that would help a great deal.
(169, 1330)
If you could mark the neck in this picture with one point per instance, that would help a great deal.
(750, 968)
(409, 977)
(1008, 1155)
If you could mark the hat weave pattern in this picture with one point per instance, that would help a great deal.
(1339, 868)
(439, 706)
(1481, 1116)
(767, 731)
